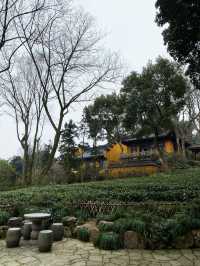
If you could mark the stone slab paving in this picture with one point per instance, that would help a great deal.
(70, 252)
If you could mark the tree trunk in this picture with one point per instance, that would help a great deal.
(183, 148)
(46, 169)
(159, 152)
(95, 162)
(26, 173)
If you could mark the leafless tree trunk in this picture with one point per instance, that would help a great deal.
(73, 64)
(23, 96)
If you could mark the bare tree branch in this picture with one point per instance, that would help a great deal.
(69, 62)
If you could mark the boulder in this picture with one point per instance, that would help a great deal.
(3, 231)
(133, 240)
(15, 222)
(196, 236)
(184, 242)
(69, 221)
(92, 228)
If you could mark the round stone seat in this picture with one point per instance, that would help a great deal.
(45, 240)
(58, 231)
(13, 237)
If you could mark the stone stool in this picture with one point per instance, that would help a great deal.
(13, 237)
(15, 222)
(45, 240)
(27, 228)
(58, 231)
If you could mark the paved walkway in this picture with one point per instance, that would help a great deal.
(75, 253)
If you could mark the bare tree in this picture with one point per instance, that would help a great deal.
(11, 12)
(23, 96)
(188, 120)
(69, 62)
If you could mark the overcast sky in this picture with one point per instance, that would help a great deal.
(131, 31)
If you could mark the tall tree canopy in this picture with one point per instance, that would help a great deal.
(104, 117)
(153, 97)
(181, 19)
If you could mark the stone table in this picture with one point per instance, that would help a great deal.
(36, 219)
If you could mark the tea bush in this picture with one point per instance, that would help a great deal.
(83, 234)
(109, 241)
(148, 217)
(4, 216)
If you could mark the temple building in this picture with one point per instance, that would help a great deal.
(134, 155)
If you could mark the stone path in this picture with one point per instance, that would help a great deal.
(75, 253)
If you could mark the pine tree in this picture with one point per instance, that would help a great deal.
(67, 146)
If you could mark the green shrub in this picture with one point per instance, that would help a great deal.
(7, 174)
(122, 225)
(107, 227)
(83, 234)
(109, 241)
(177, 161)
(139, 226)
(83, 215)
(4, 216)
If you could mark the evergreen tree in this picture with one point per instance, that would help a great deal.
(180, 20)
(153, 98)
(67, 147)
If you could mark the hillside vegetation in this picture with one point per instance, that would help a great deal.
(178, 186)
(165, 206)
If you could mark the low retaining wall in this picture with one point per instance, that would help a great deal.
(118, 170)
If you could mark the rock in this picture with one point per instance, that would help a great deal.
(184, 242)
(69, 221)
(154, 244)
(94, 234)
(196, 236)
(92, 228)
(67, 232)
(106, 223)
(15, 222)
(133, 240)
(3, 231)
